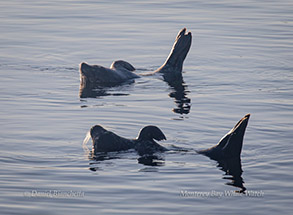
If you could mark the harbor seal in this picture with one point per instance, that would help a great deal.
(144, 144)
(229, 146)
(122, 71)
(119, 72)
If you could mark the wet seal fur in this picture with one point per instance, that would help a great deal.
(144, 144)
(122, 71)
(119, 72)
(230, 145)
(227, 153)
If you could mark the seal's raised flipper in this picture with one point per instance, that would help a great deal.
(120, 72)
(174, 62)
(230, 145)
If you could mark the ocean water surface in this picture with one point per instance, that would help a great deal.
(240, 62)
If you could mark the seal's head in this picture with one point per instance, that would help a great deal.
(97, 131)
(88, 73)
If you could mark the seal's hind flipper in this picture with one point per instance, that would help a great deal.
(231, 144)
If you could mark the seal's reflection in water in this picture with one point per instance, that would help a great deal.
(95, 160)
(152, 160)
(178, 92)
(233, 171)
(147, 160)
(177, 85)
(231, 167)
(227, 152)
(92, 92)
(88, 90)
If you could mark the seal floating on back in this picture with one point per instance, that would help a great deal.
(107, 141)
(122, 71)
(229, 146)
(119, 72)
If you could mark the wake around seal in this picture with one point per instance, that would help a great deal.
(122, 71)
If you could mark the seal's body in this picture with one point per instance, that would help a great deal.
(144, 144)
(122, 71)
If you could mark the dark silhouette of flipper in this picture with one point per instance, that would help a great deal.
(227, 153)
(230, 145)
(174, 62)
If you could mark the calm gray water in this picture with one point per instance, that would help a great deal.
(240, 62)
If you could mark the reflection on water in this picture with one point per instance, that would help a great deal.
(152, 160)
(95, 160)
(178, 92)
(231, 167)
(233, 171)
(177, 86)
(241, 62)
(147, 160)
(89, 90)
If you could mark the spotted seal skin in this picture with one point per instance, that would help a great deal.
(230, 145)
(144, 144)
(122, 71)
